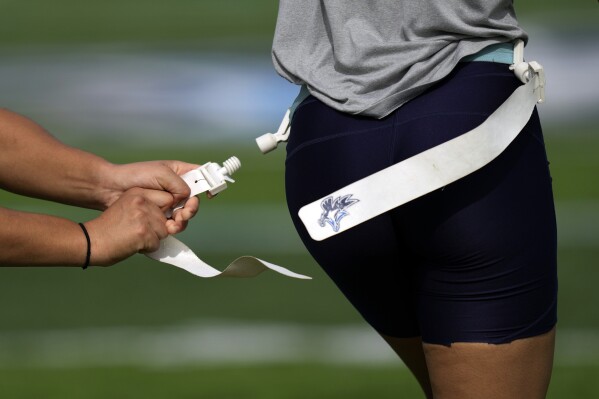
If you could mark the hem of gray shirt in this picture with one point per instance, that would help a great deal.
(502, 53)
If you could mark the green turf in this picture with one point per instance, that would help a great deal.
(574, 162)
(191, 22)
(574, 381)
(143, 292)
(303, 381)
(135, 21)
(259, 382)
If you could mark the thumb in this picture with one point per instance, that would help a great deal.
(162, 199)
(170, 179)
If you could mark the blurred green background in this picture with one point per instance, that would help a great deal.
(144, 329)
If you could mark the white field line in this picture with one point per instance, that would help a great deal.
(229, 343)
(200, 343)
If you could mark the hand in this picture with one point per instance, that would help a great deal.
(154, 175)
(134, 223)
(178, 221)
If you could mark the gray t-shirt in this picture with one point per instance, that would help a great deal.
(371, 56)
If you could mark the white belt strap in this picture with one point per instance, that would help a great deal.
(431, 169)
(174, 252)
(212, 178)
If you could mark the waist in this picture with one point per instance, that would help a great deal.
(502, 53)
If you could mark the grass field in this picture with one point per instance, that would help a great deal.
(307, 381)
(262, 382)
(141, 295)
(204, 23)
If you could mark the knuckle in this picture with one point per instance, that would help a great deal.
(138, 200)
(142, 230)
(138, 215)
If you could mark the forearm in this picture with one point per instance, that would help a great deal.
(134, 223)
(34, 163)
(29, 239)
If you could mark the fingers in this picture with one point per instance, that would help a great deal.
(153, 175)
(180, 167)
(134, 223)
(145, 214)
(162, 199)
(181, 216)
(170, 180)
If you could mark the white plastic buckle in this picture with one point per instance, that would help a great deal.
(269, 141)
(217, 176)
(210, 177)
(525, 71)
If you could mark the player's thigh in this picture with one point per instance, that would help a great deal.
(520, 369)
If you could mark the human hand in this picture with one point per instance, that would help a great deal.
(134, 223)
(154, 175)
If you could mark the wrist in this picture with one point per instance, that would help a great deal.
(107, 185)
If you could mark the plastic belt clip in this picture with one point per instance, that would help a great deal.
(269, 141)
(525, 71)
(210, 177)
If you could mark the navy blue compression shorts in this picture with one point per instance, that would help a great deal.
(474, 261)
